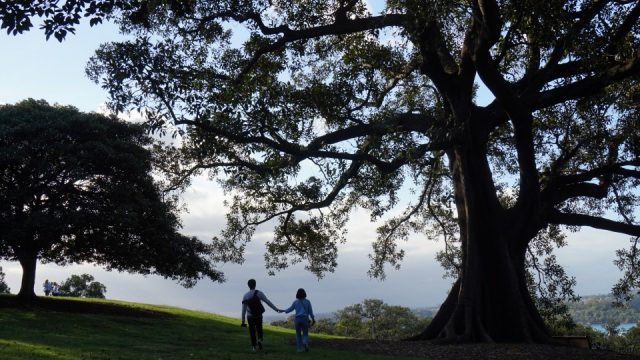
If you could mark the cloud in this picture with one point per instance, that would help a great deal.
(589, 257)
(419, 283)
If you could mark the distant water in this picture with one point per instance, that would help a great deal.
(622, 327)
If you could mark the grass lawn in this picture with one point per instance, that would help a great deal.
(185, 334)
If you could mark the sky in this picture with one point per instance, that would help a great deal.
(31, 67)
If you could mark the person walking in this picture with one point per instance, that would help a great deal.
(55, 290)
(304, 311)
(252, 308)
(47, 287)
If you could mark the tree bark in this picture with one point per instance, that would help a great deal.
(28, 278)
(490, 301)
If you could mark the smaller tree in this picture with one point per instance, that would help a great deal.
(612, 328)
(399, 323)
(287, 323)
(79, 188)
(325, 326)
(373, 310)
(82, 286)
(4, 288)
(371, 319)
(376, 320)
(633, 334)
(350, 322)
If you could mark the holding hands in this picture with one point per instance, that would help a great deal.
(280, 311)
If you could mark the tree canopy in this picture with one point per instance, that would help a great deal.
(59, 19)
(305, 110)
(82, 286)
(78, 187)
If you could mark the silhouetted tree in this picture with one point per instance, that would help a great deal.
(77, 187)
(82, 286)
(323, 107)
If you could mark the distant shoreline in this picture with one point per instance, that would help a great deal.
(623, 328)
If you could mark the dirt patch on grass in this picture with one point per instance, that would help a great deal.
(431, 350)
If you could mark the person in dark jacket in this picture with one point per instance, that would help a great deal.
(254, 320)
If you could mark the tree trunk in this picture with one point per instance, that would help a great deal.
(490, 301)
(489, 305)
(28, 278)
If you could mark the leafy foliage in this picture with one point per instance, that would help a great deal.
(551, 287)
(372, 320)
(600, 309)
(82, 286)
(59, 19)
(78, 187)
(323, 325)
(266, 100)
(4, 288)
(306, 110)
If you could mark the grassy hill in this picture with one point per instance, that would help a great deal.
(65, 328)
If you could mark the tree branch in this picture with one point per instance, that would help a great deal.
(402, 122)
(490, 24)
(589, 86)
(563, 193)
(560, 218)
(618, 169)
(437, 62)
(558, 53)
(341, 26)
(565, 187)
(624, 29)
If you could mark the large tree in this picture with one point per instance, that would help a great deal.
(78, 187)
(313, 108)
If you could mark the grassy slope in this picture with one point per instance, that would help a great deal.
(186, 335)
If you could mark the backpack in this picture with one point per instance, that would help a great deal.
(254, 304)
